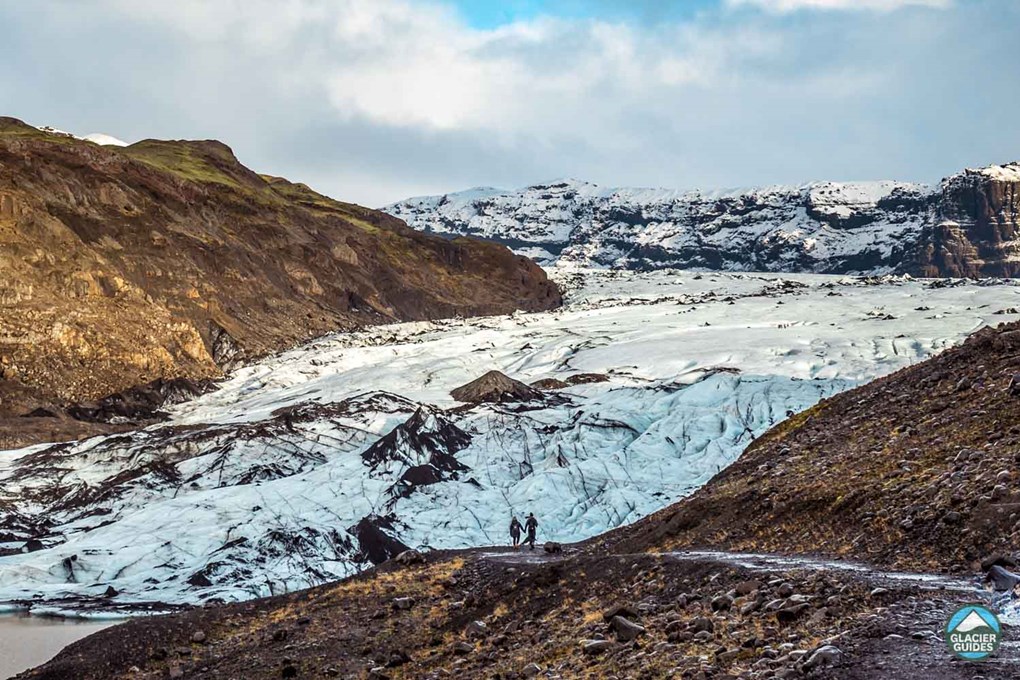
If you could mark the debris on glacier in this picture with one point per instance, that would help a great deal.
(318, 462)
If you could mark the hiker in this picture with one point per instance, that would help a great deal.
(515, 531)
(532, 526)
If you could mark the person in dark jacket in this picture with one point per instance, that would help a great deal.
(515, 531)
(531, 525)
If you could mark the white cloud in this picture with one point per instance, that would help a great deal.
(783, 6)
(370, 100)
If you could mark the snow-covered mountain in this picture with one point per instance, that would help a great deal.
(99, 138)
(312, 464)
(967, 226)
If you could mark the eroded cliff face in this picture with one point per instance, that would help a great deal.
(974, 232)
(967, 226)
(119, 266)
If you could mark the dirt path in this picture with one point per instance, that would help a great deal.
(907, 641)
(539, 607)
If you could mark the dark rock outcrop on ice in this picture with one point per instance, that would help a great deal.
(495, 387)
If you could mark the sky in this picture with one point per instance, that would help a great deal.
(372, 101)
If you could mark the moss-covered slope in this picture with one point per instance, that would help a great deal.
(119, 266)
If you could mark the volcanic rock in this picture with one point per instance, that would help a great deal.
(494, 387)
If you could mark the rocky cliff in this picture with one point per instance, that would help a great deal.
(120, 266)
(973, 228)
(965, 227)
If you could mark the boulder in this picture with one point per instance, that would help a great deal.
(625, 629)
(997, 559)
(1002, 579)
(552, 547)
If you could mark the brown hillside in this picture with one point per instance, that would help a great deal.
(119, 266)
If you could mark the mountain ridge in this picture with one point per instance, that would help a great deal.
(965, 226)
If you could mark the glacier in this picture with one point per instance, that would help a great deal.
(314, 464)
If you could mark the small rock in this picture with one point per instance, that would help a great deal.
(790, 614)
(476, 629)
(623, 610)
(531, 670)
(829, 655)
(176, 672)
(198, 637)
(702, 624)
(403, 603)
(397, 658)
(462, 648)
(748, 587)
(596, 646)
(409, 557)
(726, 657)
(722, 603)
